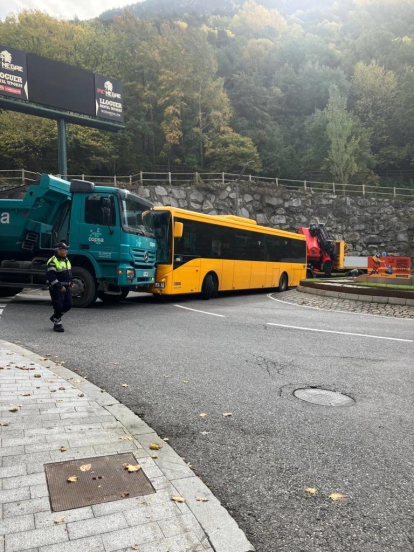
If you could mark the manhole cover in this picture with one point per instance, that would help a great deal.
(105, 481)
(323, 397)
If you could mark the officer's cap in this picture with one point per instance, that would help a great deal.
(60, 245)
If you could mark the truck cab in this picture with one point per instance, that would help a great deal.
(112, 247)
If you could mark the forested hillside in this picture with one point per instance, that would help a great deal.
(323, 92)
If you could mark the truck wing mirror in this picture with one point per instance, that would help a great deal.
(178, 229)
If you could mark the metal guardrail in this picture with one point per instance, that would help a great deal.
(9, 178)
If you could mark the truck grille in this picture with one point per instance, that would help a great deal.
(139, 258)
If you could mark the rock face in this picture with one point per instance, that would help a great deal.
(366, 224)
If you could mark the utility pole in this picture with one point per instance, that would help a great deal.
(62, 152)
(237, 185)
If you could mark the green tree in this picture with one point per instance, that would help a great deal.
(231, 151)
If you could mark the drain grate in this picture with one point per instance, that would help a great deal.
(105, 481)
(323, 397)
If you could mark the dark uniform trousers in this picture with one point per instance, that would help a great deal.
(61, 301)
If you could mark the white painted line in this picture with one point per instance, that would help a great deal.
(341, 333)
(1, 310)
(203, 312)
(341, 311)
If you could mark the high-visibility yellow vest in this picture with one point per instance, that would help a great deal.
(60, 266)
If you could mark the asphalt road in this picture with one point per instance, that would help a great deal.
(179, 363)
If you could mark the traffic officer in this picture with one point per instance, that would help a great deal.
(59, 277)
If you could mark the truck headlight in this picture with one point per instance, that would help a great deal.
(130, 273)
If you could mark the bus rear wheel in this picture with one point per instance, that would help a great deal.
(210, 287)
(283, 282)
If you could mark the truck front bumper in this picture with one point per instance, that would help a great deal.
(130, 276)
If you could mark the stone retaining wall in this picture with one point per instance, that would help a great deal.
(366, 224)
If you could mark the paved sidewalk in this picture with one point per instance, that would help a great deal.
(59, 416)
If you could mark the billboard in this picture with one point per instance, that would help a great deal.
(389, 267)
(58, 85)
(13, 73)
(109, 98)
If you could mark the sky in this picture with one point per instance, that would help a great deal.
(66, 9)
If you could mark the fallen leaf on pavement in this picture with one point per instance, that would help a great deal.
(61, 388)
(4, 423)
(125, 385)
(59, 400)
(25, 394)
(154, 456)
(124, 495)
(311, 490)
(337, 496)
(13, 408)
(178, 499)
(74, 387)
(201, 499)
(72, 479)
(116, 363)
(227, 414)
(131, 467)
(85, 467)
(166, 439)
(126, 438)
(50, 381)
(155, 446)
(37, 376)
(167, 375)
(78, 381)
(81, 394)
(63, 449)
(135, 547)
(185, 381)
(203, 415)
(60, 520)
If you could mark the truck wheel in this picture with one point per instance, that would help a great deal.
(208, 287)
(84, 288)
(327, 268)
(109, 298)
(283, 282)
(9, 292)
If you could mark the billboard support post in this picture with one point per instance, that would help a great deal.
(62, 151)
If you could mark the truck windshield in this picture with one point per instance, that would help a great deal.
(136, 217)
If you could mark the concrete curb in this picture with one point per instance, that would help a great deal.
(356, 296)
(221, 529)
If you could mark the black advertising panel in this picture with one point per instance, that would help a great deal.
(60, 85)
(13, 73)
(109, 98)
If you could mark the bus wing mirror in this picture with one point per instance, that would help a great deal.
(178, 229)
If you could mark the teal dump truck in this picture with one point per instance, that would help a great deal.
(111, 243)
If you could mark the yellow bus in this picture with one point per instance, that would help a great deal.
(200, 253)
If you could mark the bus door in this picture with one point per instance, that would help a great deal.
(242, 264)
(187, 262)
(258, 277)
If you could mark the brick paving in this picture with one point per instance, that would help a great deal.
(345, 305)
(53, 412)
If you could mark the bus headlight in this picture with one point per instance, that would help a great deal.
(130, 273)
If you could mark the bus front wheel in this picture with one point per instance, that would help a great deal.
(283, 282)
(210, 287)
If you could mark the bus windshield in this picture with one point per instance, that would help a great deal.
(136, 217)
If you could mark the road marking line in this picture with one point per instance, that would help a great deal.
(341, 333)
(341, 311)
(203, 312)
